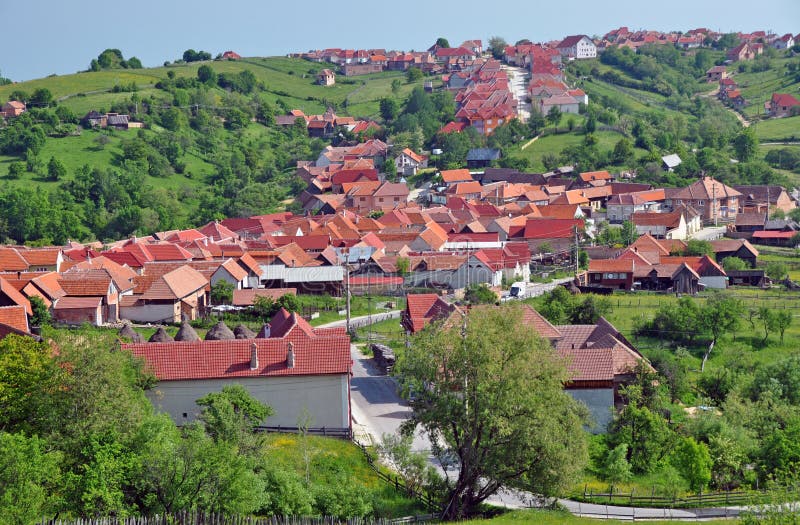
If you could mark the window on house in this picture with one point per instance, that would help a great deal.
(701, 203)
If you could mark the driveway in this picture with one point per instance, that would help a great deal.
(518, 84)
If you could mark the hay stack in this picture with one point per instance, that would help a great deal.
(161, 336)
(126, 332)
(242, 332)
(186, 333)
(220, 332)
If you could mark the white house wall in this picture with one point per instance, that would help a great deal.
(151, 313)
(715, 282)
(326, 398)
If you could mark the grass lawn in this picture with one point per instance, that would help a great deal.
(552, 517)
(778, 129)
(292, 80)
(334, 461)
(758, 88)
(555, 143)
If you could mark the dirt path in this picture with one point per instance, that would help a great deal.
(534, 139)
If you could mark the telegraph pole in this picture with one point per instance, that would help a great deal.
(577, 252)
(345, 252)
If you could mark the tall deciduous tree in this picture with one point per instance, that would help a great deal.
(497, 46)
(554, 117)
(491, 397)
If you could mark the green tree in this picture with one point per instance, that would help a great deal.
(389, 108)
(222, 292)
(207, 75)
(403, 265)
(41, 97)
(264, 306)
(55, 169)
(442, 42)
(616, 468)
(16, 169)
(640, 425)
(290, 302)
(390, 170)
(554, 117)
(536, 122)
(590, 309)
(413, 74)
(628, 233)
(783, 319)
(746, 145)
(720, 314)
(491, 396)
(41, 314)
(732, 264)
(28, 378)
(232, 414)
(497, 46)
(30, 478)
(623, 151)
(699, 248)
(693, 461)
(479, 294)
(776, 270)
(767, 319)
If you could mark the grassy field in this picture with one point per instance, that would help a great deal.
(554, 143)
(758, 87)
(291, 80)
(333, 462)
(778, 129)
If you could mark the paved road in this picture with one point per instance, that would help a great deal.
(518, 83)
(378, 409)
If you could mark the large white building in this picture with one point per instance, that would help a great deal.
(291, 367)
(577, 47)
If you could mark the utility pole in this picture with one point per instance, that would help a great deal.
(714, 200)
(577, 252)
(345, 252)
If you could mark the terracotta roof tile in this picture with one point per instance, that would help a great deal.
(14, 316)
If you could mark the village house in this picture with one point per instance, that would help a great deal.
(13, 108)
(745, 51)
(714, 200)
(169, 298)
(290, 366)
(611, 273)
(577, 47)
(716, 73)
(782, 105)
(326, 77)
(670, 225)
(763, 198)
(407, 162)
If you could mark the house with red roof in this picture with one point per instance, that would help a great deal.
(290, 366)
(167, 297)
(577, 47)
(231, 55)
(423, 309)
(408, 162)
(782, 105)
(12, 109)
(611, 273)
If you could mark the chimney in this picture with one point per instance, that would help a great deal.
(253, 357)
(290, 356)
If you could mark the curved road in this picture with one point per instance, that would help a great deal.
(378, 409)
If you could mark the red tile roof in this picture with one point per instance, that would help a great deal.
(70, 303)
(14, 316)
(551, 228)
(247, 296)
(12, 261)
(176, 361)
(611, 265)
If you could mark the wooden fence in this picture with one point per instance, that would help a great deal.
(400, 485)
(708, 499)
(202, 518)
(342, 433)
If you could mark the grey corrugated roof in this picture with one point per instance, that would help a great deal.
(483, 154)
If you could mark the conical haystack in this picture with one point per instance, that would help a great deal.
(126, 332)
(220, 332)
(242, 332)
(161, 336)
(186, 333)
